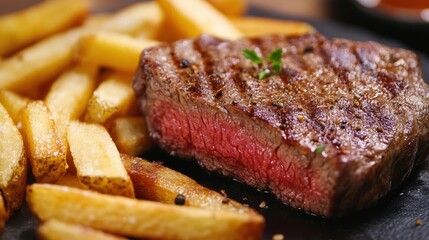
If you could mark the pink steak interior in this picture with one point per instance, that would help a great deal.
(228, 145)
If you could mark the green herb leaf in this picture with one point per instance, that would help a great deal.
(276, 56)
(320, 149)
(277, 67)
(263, 74)
(252, 56)
(276, 60)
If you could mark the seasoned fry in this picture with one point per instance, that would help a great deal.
(14, 103)
(45, 147)
(97, 160)
(138, 218)
(38, 63)
(54, 229)
(113, 97)
(13, 163)
(69, 94)
(194, 17)
(117, 51)
(231, 8)
(130, 135)
(256, 26)
(158, 183)
(22, 28)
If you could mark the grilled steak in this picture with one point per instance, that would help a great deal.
(341, 124)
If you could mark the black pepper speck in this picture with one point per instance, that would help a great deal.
(180, 199)
(185, 63)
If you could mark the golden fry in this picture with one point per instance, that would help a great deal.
(14, 103)
(134, 18)
(38, 63)
(130, 135)
(255, 26)
(68, 96)
(195, 17)
(97, 160)
(231, 8)
(46, 149)
(138, 218)
(113, 97)
(54, 229)
(158, 183)
(117, 51)
(22, 28)
(13, 163)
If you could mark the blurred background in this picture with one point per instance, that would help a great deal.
(404, 21)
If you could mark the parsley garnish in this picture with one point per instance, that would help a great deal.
(319, 149)
(275, 60)
(252, 56)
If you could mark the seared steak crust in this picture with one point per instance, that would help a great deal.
(365, 103)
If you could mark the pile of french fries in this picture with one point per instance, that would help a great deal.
(68, 108)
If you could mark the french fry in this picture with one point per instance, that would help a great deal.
(231, 8)
(130, 135)
(45, 147)
(69, 94)
(255, 26)
(171, 35)
(97, 160)
(163, 31)
(54, 229)
(138, 218)
(113, 97)
(158, 183)
(195, 17)
(134, 18)
(22, 28)
(13, 163)
(38, 63)
(117, 51)
(14, 103)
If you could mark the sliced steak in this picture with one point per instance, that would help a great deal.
(342, 123)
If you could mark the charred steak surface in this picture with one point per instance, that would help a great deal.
(364, 104)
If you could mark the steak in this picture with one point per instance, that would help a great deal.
(341, 124)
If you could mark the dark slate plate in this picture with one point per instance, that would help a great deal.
(392, 217)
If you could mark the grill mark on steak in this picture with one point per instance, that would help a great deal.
(366, 102)
(393, 84)
(201, 46)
